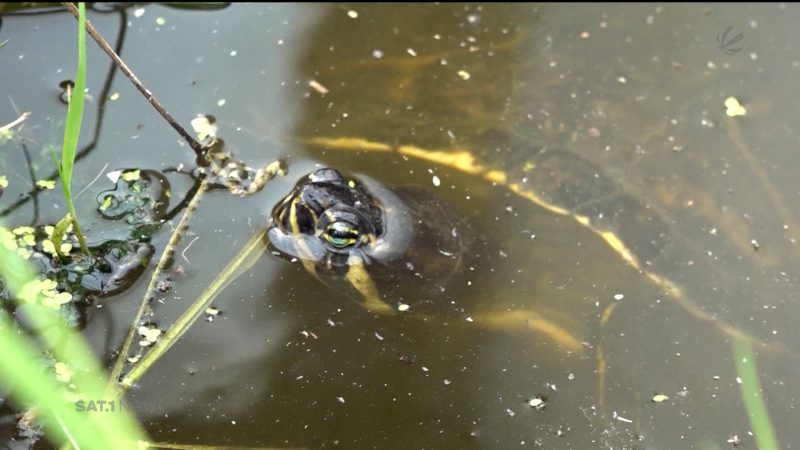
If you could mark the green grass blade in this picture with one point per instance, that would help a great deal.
(752, 395)
(28, 384)
(72, 127)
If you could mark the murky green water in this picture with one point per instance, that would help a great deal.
(624, 107)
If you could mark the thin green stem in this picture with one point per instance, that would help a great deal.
(752, 395)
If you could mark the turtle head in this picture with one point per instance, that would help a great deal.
(325, 219)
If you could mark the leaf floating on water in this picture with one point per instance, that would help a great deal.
(46, 184)
(733, 108)
(131, 175)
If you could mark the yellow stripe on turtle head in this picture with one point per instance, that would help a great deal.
(358, 277)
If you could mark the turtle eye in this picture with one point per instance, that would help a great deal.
(341, 234)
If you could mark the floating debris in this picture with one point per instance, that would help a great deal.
(464, 75)
(733, 108)
(621, 419)
(317, 86)
(537, 402)
(204, 127)
(658, 398)
(404, 359)
(436, 181)
(402, 307)
(46, 184)
(149, 334)
(352, 14)
(735, 440)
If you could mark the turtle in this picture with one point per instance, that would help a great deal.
(357, 235)
(496, 102)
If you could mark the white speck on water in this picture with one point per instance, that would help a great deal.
(378, 336)
(470, 319)
(536, 402)
(622, 80)
(425, 369)
(436, 181)
(233, 53)
(622, 419)
(510, 412)
(352, 14)
(138, 12)
(377, 54)
(619, 296)
(738, 380)
(402, 307)
(411, 51)
(341, 399)
(447, 382)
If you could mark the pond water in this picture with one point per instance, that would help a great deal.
(615, 114)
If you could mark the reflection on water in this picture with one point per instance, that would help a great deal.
(614, 114)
